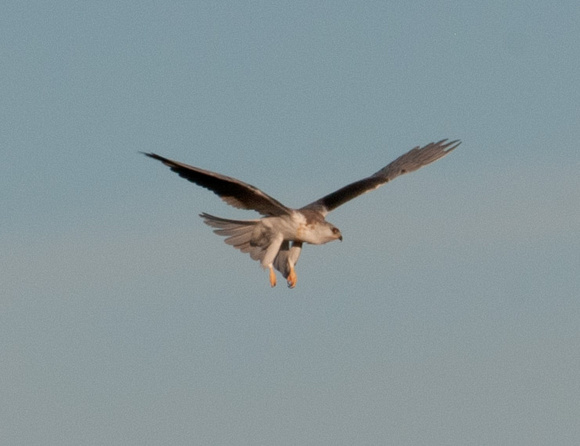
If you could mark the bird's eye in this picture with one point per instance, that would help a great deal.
(335, 230)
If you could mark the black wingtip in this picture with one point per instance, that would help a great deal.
(155, 156)
(149, 154)
(453, 145)
(447, 145)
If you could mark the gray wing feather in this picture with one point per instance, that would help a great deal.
(409, 162)
(234, 192)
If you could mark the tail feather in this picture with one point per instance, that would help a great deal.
(238, 233)
(251, 237)
(225, 223)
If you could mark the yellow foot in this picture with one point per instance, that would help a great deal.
(272, 277)
(292, 279)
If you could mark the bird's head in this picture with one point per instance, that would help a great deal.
(325, 232)
(336, 233)
(316, 230)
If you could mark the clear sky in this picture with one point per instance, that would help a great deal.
(449, 314)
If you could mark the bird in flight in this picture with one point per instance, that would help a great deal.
(277, 237)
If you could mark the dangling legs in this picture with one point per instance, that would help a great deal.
(292, 279)
(272, 276)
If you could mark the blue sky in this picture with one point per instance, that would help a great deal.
(448, 315)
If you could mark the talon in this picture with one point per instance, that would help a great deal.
(272, 277)
(292, 278)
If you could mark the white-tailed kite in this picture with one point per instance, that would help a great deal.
(276, 239)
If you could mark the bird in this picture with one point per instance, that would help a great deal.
(277, 237)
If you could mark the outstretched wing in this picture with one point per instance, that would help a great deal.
(410, 161)
(234, 192)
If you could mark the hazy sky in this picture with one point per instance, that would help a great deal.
(450, 313)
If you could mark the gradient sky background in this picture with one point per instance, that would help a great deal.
(449, 315)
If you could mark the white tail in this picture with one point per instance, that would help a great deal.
(241, 234)
(254, 238)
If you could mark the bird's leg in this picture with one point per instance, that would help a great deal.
(292, 277)
(272, 276)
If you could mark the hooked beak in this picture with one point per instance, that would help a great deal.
(340, 237)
